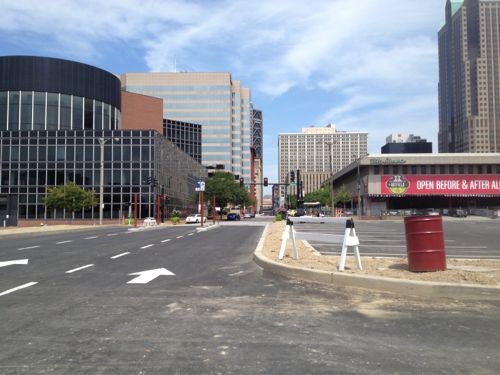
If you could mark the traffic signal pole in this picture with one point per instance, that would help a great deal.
(214, 211)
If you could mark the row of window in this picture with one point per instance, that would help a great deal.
(435, 169)
(28, 110)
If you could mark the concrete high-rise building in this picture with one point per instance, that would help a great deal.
(214, 100)
(469, 77)
(319, 150)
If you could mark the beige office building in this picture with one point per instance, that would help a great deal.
(318, 153)
(469, 77)
(214, 100)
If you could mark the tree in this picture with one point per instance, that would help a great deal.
(343, 196)
(70, 197)
(226, 190)
(323, 195)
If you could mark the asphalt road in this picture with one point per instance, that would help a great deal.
(474, 238)
(218, 313)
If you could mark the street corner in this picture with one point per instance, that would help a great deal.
(314, 267)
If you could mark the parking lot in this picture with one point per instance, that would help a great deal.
(467, 238)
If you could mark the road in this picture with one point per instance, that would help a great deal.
(217, 313)
(474, 238)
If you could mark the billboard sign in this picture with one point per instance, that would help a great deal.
(440, 185)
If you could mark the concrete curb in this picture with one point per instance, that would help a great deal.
(463, 292)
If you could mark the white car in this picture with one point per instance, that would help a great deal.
(195, 219)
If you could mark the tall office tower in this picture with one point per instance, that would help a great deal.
(257, 159)
(469, 77)
(318, 150)
(214, 100)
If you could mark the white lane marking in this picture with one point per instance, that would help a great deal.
(145, 277)
(18, 288)
(79, 268)
(112, 234)
(29, 247)
(13, 262)
(168, 239)
(179, 237)
(190, 234)
(91, 238)
(120, 255)
(145, 247)
(59, 243)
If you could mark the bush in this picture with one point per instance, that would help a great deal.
(176, 213)
(175, 220)
(279, 217)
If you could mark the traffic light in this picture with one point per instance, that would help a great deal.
(265, 181)
(292, 176)
(162, 189)
(242, 182)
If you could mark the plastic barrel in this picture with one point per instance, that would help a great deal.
(425, 243)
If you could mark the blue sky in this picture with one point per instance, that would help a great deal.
(366, 65)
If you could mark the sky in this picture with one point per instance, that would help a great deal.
(366, 65)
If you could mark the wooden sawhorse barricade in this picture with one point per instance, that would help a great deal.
(348, 240)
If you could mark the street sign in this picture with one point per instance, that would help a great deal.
(293, 184)
(200, 185)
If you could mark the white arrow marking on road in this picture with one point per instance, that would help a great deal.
(12, 262)
(17, 288)
(146, 276)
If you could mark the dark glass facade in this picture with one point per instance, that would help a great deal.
(53, 114)
(407, 148)
(185, 135)
(33, 161)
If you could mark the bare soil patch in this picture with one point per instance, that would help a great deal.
(482, 272)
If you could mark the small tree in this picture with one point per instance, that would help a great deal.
(226, 190)
(343, 196)
(70, 197)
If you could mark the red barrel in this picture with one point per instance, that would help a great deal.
(425, 243)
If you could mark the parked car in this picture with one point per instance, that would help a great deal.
(195, 219)
(248, 215)
(233, 217)
(458, 213)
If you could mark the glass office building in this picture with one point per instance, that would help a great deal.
(220, 104)
(53, 115)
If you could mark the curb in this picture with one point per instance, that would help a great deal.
(461, 292)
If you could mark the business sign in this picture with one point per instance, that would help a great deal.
(440, 185)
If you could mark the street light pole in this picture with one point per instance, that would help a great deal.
(102, 141)
(359, 192)
(331, 174)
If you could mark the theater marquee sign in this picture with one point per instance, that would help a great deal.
(440, 185)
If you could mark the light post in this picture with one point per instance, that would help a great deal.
(331, 175)
(102, 141)
(358, 160)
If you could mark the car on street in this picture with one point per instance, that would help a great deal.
(196, 218)
(248, 215)
(458, 213)
(233, 217)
